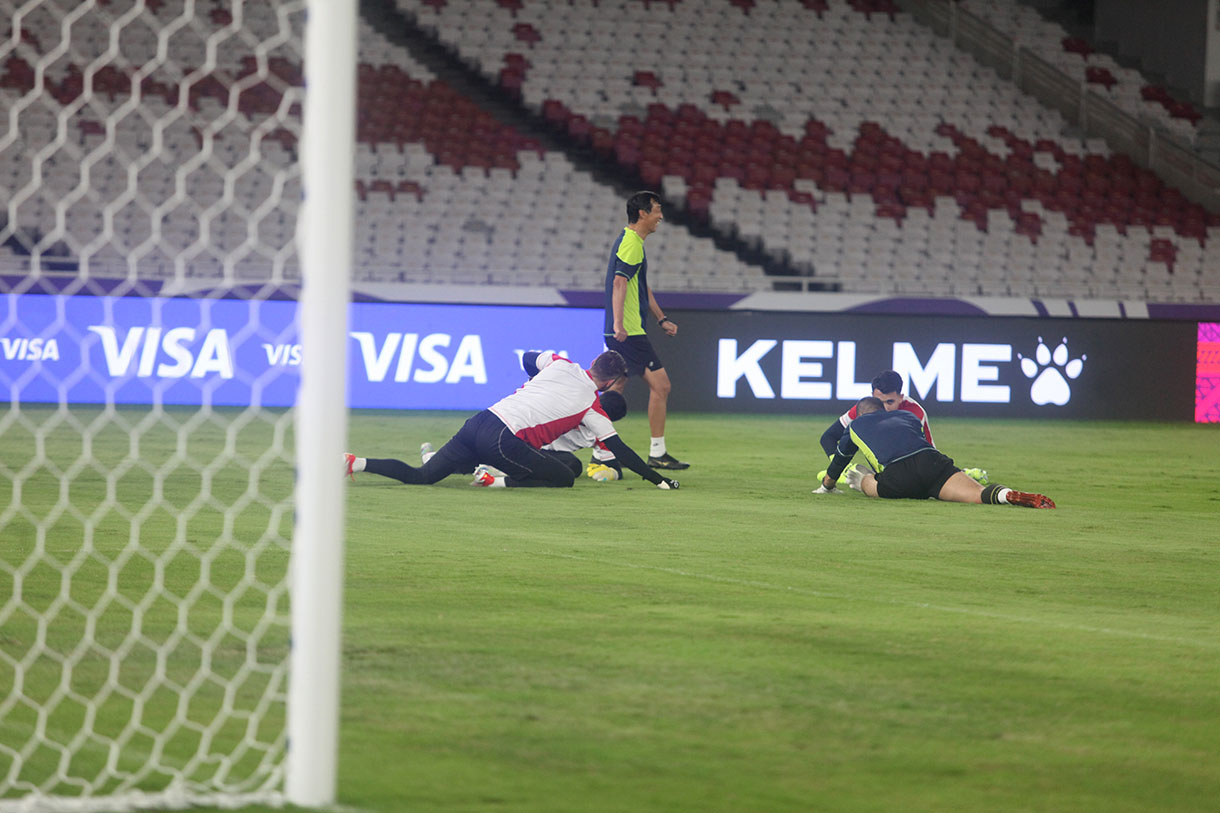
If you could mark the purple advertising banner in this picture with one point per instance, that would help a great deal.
(233, 352)
(130, 350)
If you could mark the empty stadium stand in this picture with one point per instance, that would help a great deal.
(846, 141)
(117, 166)
(445, 192)
(1076, 58)
(838, 143)
(448, 194)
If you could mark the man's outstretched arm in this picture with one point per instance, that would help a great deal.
(632, 461)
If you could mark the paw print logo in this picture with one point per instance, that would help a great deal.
(1050, 372)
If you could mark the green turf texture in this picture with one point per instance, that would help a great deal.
(742, 644)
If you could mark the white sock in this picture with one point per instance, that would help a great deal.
(1003, 495)
(498, 482)
(426, 456)
(358, 464)
(657, 447)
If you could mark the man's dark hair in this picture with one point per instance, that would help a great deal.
(608, 366)
(889, 381)
(640, 202)
(614, 404)
(868, 404)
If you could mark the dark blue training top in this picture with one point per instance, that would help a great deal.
(883, 437)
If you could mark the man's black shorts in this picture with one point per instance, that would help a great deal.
(637, 352)
(918, 477)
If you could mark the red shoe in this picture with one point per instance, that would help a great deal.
(482, 477)
(349, 460)
(1029, 500)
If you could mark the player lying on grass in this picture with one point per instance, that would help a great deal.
(907, 466)
(561, 448)
(887, 387)
(510, 434)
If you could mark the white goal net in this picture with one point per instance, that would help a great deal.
(151, 347)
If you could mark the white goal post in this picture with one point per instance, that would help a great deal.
(326, 244)
(176, 183)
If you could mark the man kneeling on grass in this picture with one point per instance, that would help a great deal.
(906, 465)
(510, 434)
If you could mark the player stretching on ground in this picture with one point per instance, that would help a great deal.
(887, 388)
(628, 303)
(561, 448)
(907, 466)
(510, 434)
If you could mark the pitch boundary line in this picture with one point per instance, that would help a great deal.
(1018, 619)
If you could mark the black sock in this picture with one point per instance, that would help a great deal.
(991, 494)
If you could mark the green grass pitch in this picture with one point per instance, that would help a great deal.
(742, 644)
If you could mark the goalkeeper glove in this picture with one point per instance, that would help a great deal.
(602, 473)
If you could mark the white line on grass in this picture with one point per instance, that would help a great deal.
(1018, 619)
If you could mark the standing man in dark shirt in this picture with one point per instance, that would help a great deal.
(907, 466)
(628, 303)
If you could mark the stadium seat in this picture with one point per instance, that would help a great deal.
(879, 124)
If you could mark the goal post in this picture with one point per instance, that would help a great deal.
(328, 164)
(176, 182)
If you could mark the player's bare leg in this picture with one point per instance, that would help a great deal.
(658, 405)
(960, 488)
(658, 400)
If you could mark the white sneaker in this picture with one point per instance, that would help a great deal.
(825, 490)
(855, 476)
(492, 470)
(426, 451)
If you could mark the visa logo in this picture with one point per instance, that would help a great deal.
(400, 350)
(29, 349)
(175, 347)
(283, 355)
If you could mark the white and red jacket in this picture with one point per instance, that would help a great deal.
(575, 439)
(561, 397)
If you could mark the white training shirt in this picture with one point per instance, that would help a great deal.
(560, 398)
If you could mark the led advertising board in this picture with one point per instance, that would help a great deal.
(979, 366)
(131, 350)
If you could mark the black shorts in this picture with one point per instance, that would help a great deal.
(918, 477)
(637, 352)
